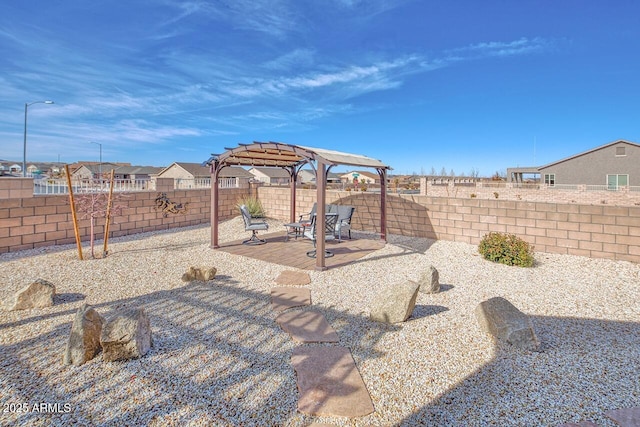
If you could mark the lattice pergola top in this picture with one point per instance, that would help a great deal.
(278, 154)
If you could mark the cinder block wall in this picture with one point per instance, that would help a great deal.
(508, 191)
(597, 231)
(37, 221)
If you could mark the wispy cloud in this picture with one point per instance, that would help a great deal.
(521, 46)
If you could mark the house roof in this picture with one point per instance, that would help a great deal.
(589, 151)
(200, 171)
(139, 170)
(271, 172)
(288, 155)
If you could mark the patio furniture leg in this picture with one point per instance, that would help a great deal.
(254, 239)
(312, 254)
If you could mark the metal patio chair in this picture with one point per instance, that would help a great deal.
(253, 225)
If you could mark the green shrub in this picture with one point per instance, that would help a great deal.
(253, 205)
(506, 249)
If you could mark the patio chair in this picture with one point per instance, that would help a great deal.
(344, 221)
(307, 218)
(329, 232)
(253, 225)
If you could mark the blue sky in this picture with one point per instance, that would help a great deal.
(464, 85)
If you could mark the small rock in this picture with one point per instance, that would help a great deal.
(39, 294)
(126, 335)
(395, 304)
(199, 274)
(430, 281)
(84, 341)
(503, 320)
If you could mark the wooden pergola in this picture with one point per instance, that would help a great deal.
(292, 158)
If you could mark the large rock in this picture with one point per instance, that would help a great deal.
(395, 304)
(126, 335)
(84, 341)
(39, 294)
(199, 274)
(503, 320)
(430, 281)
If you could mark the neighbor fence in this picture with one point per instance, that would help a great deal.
(576, 228)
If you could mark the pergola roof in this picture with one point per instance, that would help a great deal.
(292, 158)
(278, 154)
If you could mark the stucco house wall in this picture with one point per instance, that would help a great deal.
(175, 171)
(592, 167)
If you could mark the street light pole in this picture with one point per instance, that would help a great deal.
(24, 148)
(99, 165)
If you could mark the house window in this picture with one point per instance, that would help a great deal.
(616, 181)
(620, 151)
(550, 179)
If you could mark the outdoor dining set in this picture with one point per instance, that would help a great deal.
(337, 222)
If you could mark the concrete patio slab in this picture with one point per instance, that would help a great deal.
(307, 326)
(293, 278)
(329, 383)
(626, 417)
(285, 298)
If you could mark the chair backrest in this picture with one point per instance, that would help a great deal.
(345, 213)
(246, 216)
(330, 221)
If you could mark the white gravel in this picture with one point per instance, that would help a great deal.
(219, 358)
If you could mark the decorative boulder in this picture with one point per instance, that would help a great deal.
(84, 341)
(504, 321)
(126, 335)
(199, 274)
(430, 281)
(395, 303)
(39, 294)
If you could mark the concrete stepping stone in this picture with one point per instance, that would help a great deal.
(284, 298)
(626, 417)
(307, 326)
(329, 383)
(293, 278)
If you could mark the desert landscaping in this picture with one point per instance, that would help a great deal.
(218, 356)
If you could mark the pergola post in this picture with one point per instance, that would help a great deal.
(293, 176)
(321, 183)
(214, 205)
(383, 204)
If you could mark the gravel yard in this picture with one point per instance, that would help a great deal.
(219, 358)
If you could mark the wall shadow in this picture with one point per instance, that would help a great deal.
(586, 368)
(404, 216)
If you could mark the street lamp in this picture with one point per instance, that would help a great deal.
(24, 148)
(100, 165)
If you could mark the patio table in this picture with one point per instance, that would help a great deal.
(295, 229)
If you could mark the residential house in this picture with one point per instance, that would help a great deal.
(271, 176)
(616, 164)
(136, 173)
(191, 175)
(308, 176)
(362, 177)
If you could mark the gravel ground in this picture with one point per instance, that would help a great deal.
(219, 358)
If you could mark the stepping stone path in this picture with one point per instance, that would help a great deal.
(284, 298)
(328, 379)
(307, 326)
(293, 278)
(329, 382)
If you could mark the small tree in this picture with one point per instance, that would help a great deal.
(95, 205)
